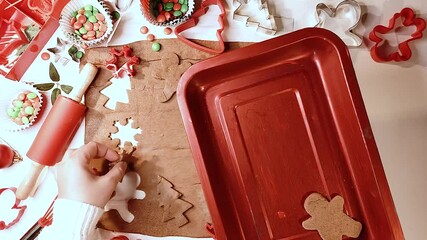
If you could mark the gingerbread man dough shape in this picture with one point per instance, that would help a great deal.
(170, 72)
(329, 219)
(126, 190)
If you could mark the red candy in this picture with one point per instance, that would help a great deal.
(168, 31)
(144, 30)
(100, 17)
(81, 19)
(161, 18)
(88, 26)
(77, 25)
(177, 6)
(150, 37)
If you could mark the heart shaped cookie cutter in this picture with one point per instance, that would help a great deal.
(263, 9)
(404, 52)
(195, 19)
(341, 20)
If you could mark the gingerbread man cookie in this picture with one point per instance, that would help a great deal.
(329, 219)
(170, 72)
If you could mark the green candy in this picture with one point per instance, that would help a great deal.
(83, 30)
(79, 54)
(74, 14)
(168, 5)
(177, 13)
(18, 104)
(156, 46)
(88, 14)
(184, 8)
(25, 120)
(77, 32)
(11, 112)
(92, 19)
(181, 1)
(29, 110)
(95, 11)
(116, 15)
(88, 7)
(31, 95)
(15, 114)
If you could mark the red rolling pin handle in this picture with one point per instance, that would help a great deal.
(56, 133)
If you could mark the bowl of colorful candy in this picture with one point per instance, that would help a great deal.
(86, 23)
(19, 106)
(167, 12)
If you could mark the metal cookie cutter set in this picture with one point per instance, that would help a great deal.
(268, 26)
(341, 20)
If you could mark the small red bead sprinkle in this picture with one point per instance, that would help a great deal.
(168, 31)
(45, 56)
(150, 37)
(144, 29)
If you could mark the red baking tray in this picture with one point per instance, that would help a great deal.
(273, 122)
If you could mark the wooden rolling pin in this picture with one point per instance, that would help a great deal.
(56, 133)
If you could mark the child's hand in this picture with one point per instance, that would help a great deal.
(76, 180)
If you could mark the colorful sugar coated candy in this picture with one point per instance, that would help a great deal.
(167, 10)
(88, 23)
(156, 47)
(144, 29)
(168, 31)
(24, 108)
(150, 37)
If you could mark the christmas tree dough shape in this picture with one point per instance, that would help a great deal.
(329, 219)
(117, 91)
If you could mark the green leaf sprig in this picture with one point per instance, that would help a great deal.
(56, 86)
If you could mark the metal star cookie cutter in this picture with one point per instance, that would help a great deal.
(404, 51)
(341, 20)
(263, 9)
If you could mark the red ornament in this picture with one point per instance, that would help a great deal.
(6, 156)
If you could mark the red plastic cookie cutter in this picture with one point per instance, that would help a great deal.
(12, 37)
(127, 67)
(408, 18)
(21, 209)
(195, 19)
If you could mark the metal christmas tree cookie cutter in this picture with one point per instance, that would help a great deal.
(263, 10)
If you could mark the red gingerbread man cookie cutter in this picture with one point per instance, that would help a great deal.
(408, 18)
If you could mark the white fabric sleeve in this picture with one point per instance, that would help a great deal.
(73, 220)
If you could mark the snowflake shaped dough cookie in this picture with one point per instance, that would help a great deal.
(126, 133)
(329, 219)
(126, 190)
